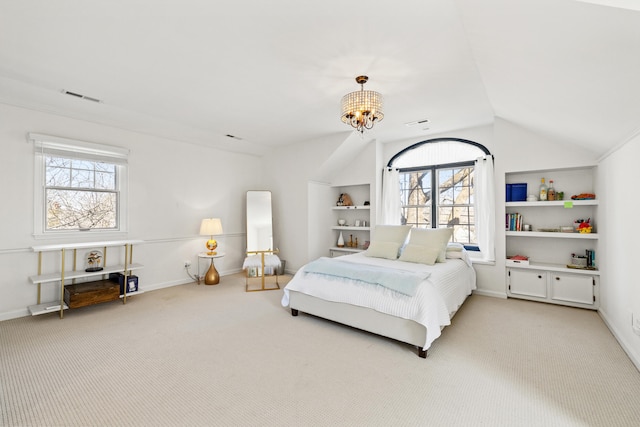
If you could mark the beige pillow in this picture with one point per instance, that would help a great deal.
(388, 250)
(420, 254)
(391, 233)
(436, 238)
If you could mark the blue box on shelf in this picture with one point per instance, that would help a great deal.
(132, 282)
(516, 192)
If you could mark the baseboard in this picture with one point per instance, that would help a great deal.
(635, 358)
(14, 314)
(493, 294)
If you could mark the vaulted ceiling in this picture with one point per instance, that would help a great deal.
(273, 72)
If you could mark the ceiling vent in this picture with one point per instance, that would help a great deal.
(417, 122)
(78, 95)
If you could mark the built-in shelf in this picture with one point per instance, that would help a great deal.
(346, 249)
(350, 227)
(553, 235)
(560, 203)
(555, 267)
(359, 213)
(546, 277)
(351, 207)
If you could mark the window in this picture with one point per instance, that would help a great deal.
(80, 186)
(451, 205)
(80, 194)
(438, 187)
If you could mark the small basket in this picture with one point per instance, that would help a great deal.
(579, 261)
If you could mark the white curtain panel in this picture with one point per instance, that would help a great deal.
(484, 188)
(391, 203)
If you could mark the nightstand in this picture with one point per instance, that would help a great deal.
(212, 277)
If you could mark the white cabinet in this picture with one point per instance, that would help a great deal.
(72, 270)
(547, 277)
(572, 288)
(357, 219)
(527, 283)
(577, 289)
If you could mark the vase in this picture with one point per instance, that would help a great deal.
(340, 241)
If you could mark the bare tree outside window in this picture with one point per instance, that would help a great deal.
(80, 194)
(453, 206)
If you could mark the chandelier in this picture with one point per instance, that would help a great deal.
(362, 109)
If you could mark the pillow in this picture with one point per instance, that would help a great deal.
(420, 254)
(388, 250)
(432, 238)
(454, 250)
(391, 233)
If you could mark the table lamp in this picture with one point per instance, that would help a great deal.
(211, 227)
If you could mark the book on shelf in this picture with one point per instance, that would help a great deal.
(513, 222)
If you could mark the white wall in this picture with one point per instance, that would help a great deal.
(172, 186)
(299, 176)
(620, 284)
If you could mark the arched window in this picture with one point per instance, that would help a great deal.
(438, 186)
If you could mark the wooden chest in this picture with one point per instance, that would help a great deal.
(83, 294)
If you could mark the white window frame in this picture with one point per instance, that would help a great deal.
(69, 148)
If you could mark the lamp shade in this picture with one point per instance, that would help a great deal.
(211, 227)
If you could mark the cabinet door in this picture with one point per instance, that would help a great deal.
(528, 283)
(572, 288)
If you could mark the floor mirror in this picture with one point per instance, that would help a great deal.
(262, 259)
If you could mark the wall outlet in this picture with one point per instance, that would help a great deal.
(187, 264)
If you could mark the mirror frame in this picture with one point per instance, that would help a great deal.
(259, 216)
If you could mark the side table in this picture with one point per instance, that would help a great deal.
(212, 277)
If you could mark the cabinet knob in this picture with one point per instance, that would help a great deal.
(557, 278)
(539, 276)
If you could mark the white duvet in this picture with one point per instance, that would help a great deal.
(436, 300)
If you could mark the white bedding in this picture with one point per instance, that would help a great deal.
(436, 300)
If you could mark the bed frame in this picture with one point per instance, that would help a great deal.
(367, 319)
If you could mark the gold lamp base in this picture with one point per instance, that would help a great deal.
(212, 245)
(212, 277)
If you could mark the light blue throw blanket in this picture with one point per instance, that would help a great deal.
(404, 282)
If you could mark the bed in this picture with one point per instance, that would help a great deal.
(416, 316)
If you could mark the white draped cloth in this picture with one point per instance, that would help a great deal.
(485, 206)
(391, 199)
(255, 261)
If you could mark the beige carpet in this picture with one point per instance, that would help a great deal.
(217, 356)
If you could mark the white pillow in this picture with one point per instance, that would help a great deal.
(455, 250)
(388, 250)
(420, 254)
(454, 247)
(391, 233)
(455, 255)
(432, 238)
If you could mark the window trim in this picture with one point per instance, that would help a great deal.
(69, 148)
(430, 141)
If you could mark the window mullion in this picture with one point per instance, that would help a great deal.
(435, 196)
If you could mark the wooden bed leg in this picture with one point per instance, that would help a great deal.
(294, 312)
(422, 353)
